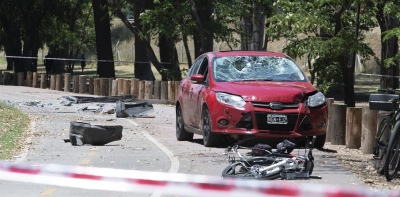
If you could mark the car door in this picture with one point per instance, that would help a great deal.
(196, 94)
(186, 92)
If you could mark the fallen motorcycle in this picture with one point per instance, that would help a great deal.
(266, 164)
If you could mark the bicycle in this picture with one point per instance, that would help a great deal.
(385, 126)
(266, 164)
(392, 160)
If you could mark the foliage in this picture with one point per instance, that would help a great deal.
(169, 17)
(310, 30)
(12, 124)
(71, 26)
(392, 9)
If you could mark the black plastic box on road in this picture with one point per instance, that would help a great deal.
(382, 102)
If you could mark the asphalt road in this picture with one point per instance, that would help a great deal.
(148, 144)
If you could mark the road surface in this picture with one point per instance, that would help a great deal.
(148, 144)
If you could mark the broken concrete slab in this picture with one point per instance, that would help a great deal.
(143, 109)
(107, 99)
(81, 133)
(108, 108)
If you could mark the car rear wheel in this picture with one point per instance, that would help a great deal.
(181, 133)
(209, 138)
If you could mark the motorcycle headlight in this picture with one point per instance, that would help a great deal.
(316, 100)
(230, 99)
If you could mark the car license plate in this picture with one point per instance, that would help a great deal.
(276, 119)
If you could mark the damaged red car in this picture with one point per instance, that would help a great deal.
(242, 94)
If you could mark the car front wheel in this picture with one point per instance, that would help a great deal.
(181, 133)
(320, 141)
(209, 138)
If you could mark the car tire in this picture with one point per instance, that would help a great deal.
(181, 133)
(320, 141)
(210, 139)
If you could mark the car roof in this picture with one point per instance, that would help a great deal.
(247, 53)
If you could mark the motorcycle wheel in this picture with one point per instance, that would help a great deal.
(310, 171)
(242, 171)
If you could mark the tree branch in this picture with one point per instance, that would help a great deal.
(150, 52)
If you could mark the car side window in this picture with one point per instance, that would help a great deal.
(203, 67)
(195, 67)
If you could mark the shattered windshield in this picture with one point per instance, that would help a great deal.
(256, 68)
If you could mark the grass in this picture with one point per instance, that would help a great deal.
(13, 123)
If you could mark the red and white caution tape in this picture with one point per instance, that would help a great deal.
(173, 184)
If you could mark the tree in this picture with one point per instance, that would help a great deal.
(33, 13)
(169, 29)
(105, 64)
(172, 21)
(142, 64)
(30, 25)
(68, 32)
(10, 21)
(388, 22)
(324, 30)
(253, 24)
(149, 52)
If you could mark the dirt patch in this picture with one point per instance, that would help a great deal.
(362, 166)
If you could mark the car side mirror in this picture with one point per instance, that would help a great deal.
(198, 78)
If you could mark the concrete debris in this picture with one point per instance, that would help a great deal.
(107, 99)
(142, 109)
(66, 103)
(32, 103)
(108, 109)
(122, 106)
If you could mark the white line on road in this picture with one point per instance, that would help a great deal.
(174, 159)
(21, 157)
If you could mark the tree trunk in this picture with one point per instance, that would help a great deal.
(389, 48)
(142, 65)
(187, 51)
(138, 36)
(245, 38)
(343, 60)
(169, 58)
(258, 27)
(165, 54)
(202, 13)
(31, 44)
(348, 76)
(12, 43)
(105, 65)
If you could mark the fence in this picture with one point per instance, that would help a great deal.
(82, 84)
(354, 127)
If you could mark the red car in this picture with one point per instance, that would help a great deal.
(248, 94)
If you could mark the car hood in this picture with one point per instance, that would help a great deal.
(267, 91)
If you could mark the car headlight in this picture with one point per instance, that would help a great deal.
(316, 100)
(230, 99)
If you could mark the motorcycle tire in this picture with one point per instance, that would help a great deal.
(237, 170)
(310, 171)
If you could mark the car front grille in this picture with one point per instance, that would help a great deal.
(305, 124)
(261, 120)
(284, 105)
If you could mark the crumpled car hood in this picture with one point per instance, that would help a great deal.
(267, 91)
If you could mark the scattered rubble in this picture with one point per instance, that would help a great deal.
(122, 106)
(142, 109)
